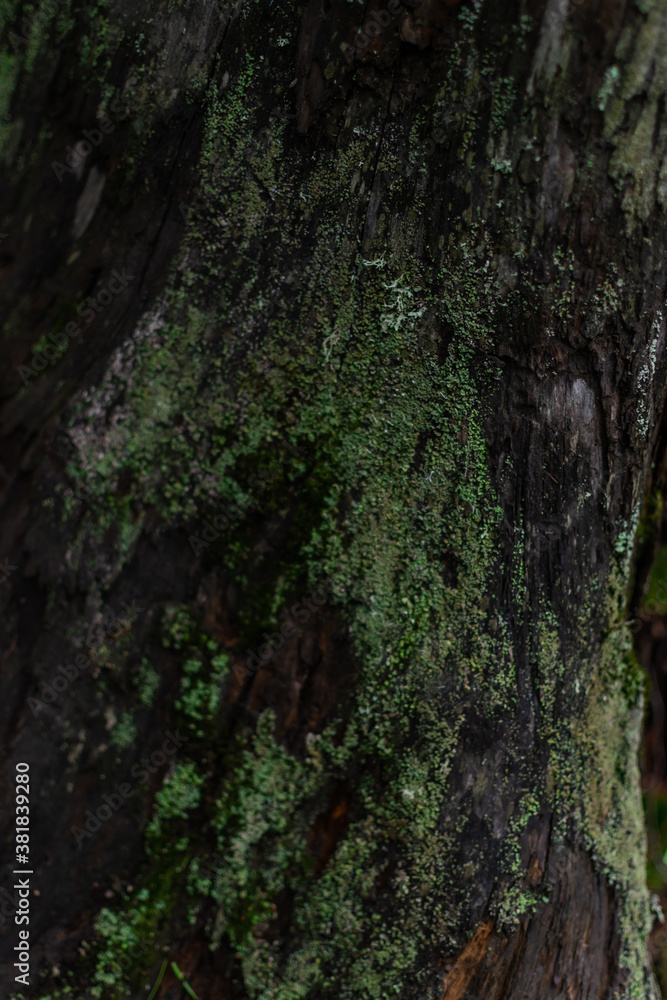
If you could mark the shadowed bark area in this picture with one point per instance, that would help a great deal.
(331, 412)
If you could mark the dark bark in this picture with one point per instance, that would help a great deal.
(401, 301)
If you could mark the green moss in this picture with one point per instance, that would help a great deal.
(640, 70)
(199, 696)
(127, 939)
(655, 598)
(180, 793)
(179, 629)
(259, 834)
(147, 682)
(595, 776)
(41, 17)
(376, 395)
(9, 66)
(327, 358)
(124, 732)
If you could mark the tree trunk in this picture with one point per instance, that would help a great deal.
(333, 394)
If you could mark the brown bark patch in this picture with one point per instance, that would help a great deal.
(460, 975)
(328, 829)
(568, 947)
(307, 682)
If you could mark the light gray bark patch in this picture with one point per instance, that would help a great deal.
(88, 202)
(548, 54)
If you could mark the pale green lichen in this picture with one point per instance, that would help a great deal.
(394, 506)
(640, 69)
(180, 793)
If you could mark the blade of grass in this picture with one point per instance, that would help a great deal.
(160, 976)
(181, 978)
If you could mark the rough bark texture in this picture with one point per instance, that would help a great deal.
(387, 369)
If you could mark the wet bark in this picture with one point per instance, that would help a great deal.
(367, 346)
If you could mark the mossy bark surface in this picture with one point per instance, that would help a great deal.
(334, 374)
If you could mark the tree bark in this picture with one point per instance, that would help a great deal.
(333, 399)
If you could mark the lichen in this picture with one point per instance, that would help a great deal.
(367, 377)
